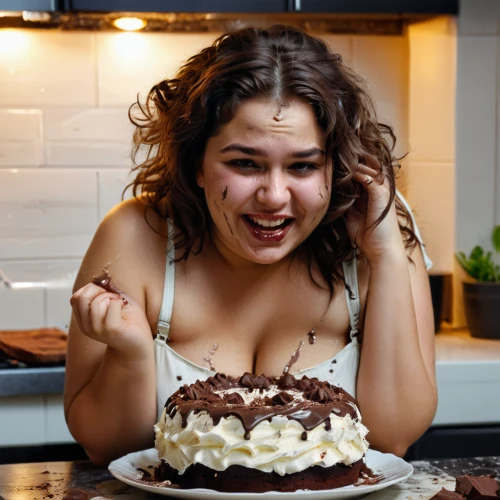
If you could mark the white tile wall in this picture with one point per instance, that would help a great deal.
(431, 168)
(477, 94)
(47, 68)
(20, 137)
(431, 195)
(46, 212)
(131, 63)
(21, 308)
(432, 90)
(383, 62)
(111, 184)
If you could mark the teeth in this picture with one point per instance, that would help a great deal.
(267, 222)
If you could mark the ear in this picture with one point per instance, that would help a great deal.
(200, 178)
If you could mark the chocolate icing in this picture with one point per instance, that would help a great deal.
(320, 400)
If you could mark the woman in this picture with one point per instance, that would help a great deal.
(268, 165)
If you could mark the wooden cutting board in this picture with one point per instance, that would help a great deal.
(42, 345)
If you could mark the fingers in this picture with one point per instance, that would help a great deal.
(367, 175)
(90, 306)
(113, 319)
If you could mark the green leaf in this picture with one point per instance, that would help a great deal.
(496, 238)
(477, 253)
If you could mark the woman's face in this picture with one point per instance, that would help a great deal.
(266, 181)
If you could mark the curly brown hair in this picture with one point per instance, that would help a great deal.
(283, 63)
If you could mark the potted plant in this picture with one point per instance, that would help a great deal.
(482, 293)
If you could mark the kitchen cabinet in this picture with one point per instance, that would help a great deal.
(34, 5)
(179, 5)
(394, 7)
(379, 7)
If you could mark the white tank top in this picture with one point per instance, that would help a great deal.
(173, 370)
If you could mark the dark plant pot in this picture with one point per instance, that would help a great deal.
(482, 309)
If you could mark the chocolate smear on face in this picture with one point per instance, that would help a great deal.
(294, 358)
(225, 217)
(224, 193)
(320, 193)
(312, 336)
(209, 360)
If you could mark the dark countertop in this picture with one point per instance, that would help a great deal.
(83, 481)
(32, 381)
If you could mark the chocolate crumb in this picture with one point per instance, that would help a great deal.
(179, 377)
(331, 371)
(145, 474)
(312, 336)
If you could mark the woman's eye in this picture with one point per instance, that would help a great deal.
(304, 168)
(243, 164)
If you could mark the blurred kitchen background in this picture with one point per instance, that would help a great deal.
(67, 78)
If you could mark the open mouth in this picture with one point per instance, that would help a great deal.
(267, 224)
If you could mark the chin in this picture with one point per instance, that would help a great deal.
(266, 256)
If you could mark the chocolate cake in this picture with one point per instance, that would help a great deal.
(258, 433)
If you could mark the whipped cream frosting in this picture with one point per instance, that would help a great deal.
(307, 428)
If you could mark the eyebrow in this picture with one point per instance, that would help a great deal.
(260, 152)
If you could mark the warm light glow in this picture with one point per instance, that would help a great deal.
(36, 17)
(14, 45)
(129, 23)
(10, 13)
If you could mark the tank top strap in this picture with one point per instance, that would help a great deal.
(352, 294)
(168, 288)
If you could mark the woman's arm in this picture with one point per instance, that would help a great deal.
(396, 387)
(109, 395)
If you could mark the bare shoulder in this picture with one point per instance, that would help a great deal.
(129, 242)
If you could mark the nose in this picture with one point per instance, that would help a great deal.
(274, 190)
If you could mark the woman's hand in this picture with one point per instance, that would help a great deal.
(113, 319)
(383, 240)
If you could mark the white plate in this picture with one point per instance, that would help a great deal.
(393, 470)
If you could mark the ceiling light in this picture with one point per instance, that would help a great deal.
(129, 23)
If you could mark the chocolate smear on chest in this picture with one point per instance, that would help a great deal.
(209, 359)
(319, 400)
(311, 336)
(294, 358)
